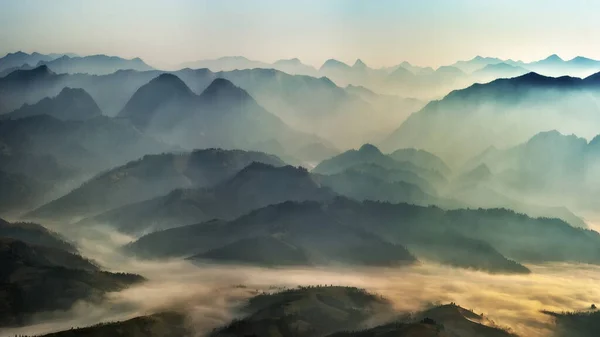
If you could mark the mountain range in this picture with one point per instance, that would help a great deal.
(550, 167)
(148, 177)
(70, 63)
(224, 115)
(326, 230)
(501, 113)
(414, 81)
(308, 104)
(69, 104)
(255, 186)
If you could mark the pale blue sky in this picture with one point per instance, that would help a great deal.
(380, 32)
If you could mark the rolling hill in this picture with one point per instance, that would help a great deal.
(150, 177)
(255, 186)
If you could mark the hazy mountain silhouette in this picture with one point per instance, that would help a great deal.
(226, 63)
(553, 65)
(315, 153)
(161, 95)
(19, 192)
(70, 104)
(28, 86)
(291, 66)
(477, 63)
(309, 104)
(41, 157)
(334, 65)
(294, 67)
(10, 70)
(18, 59)
(224, 115)
(498, 70)
(150, 177)
(495, 110)
(422, 159)
(369, 154)
(392, 175)
(86, 147)
(549, 166)
(256, 186)
(94, 64)
(360, 185)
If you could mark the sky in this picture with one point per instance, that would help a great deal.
(379, 32)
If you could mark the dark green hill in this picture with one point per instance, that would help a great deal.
(166, 324)
(307, 311)
(36, 279)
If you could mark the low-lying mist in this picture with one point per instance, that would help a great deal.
(209, 294)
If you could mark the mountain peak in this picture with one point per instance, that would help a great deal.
(359, 64)
(553, 58)
(545, 135)
(333, 63)
(531, 77)
(221, 85)
(70, 104)
(170, 80)
(38, 72)
(147, 100)
(43, 69)
(369, 149)
(18, 53)
(261, 167)
(294, 61)
(66, 91)
(233, 58)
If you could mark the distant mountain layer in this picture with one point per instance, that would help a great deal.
(502, 113)
(70, 104)
(421, 163)
(18, 59)
(19, 192)
(149, 177)
(87, 146)
(94, 65)
(224, 115)
(308, 104)
(550, 167)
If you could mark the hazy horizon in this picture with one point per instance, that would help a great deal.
(382, 33)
